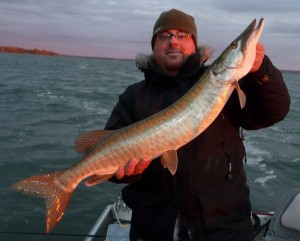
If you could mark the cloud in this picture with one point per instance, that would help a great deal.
(123, 28)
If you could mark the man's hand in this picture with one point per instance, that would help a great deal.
(133, 167)
(260, 53)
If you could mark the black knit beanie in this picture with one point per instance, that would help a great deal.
(175, 19)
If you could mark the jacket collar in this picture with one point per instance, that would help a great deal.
(193, 65)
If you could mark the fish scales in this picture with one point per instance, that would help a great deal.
(178, 124)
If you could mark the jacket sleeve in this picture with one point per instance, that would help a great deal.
(267, 98)
(122, 114)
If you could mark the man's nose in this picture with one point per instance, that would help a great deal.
(173, 39)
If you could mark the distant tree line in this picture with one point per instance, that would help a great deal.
(18, 50)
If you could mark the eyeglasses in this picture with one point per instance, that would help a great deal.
(166, 36)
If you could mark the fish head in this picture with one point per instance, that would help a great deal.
(238, 58)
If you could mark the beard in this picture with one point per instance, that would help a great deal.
(174, 60)
(171, 59)
(173, 65)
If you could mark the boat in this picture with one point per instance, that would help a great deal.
(280, 225)
(113, 223)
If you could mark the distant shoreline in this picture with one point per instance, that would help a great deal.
(18, 50)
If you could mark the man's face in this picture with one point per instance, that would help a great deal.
(171, 49)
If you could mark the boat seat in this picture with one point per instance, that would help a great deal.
(285, 224)
(117, 232)
(291, 216)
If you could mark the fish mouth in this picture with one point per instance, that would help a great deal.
(251, 33)
(251, 30)
(260, 25)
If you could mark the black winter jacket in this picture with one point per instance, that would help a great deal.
(211, 166)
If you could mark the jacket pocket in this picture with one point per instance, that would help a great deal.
(224, 194)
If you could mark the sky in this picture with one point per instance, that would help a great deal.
(123, 28)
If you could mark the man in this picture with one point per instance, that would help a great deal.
(207, 198)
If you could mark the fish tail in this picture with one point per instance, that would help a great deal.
(47, 186)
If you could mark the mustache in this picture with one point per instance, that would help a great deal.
(174, 49)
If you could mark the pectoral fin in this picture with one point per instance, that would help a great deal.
(241, 94)
(96, 179)
(170, 160)
(85, 141)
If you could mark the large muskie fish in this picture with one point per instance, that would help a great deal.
(159, 135)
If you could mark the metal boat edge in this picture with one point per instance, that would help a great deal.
(280, 225)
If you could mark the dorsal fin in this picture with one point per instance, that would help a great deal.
(85, 141)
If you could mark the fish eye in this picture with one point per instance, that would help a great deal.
(234, 45)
